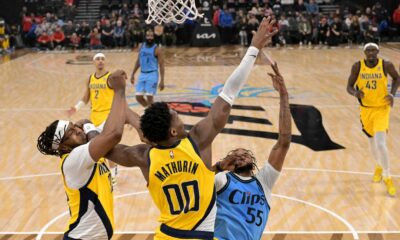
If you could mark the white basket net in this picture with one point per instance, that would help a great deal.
(165, 11)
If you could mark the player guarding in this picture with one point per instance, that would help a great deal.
(243, 198)
(150, 58)
(179, 169)
(368, 83)
(99, 93)
(86, 177)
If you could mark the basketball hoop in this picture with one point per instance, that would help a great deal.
(178, 11)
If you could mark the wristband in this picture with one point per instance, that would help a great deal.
(79, 105)
(88, 127)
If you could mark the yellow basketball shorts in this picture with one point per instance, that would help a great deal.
(98, 118)
(374, 119)
(5, 43)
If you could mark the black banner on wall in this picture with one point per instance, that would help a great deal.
(206, 35)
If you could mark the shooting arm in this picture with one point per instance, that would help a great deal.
(279, 150)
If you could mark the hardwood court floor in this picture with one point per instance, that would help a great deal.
(324, 192)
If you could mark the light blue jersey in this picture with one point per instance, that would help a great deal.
(148, 77)
(242, 209)
(148, 59)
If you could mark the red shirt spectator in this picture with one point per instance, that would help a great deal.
(58, 35)
(38, 19)
(44, 38)
(75, 40)
(69, 2)
(95, 37)
(26, 23)
(103, 21)
(396, 15)
(216, 17)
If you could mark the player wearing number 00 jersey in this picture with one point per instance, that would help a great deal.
(178, 169)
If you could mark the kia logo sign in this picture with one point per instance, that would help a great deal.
(206, 36)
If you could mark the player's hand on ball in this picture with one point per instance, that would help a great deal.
(118, 79)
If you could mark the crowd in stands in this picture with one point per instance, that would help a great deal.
(123, 25)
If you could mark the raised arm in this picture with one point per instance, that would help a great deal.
(135, 156)
(204, 132)
(279, 150)
(160, 56)
(391, 70)
(84, 100)
(114, 126)
(352, 80)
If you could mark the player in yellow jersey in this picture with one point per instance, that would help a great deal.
(368, 83)
(86, 177)
(178, 169)
(100, 94)
(4, 39)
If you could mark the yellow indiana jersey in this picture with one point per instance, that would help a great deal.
(101, 97)
(373, 82)
(91, 207)
(182, 187)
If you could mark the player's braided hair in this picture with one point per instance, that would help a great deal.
(45, 140)
(245, 154)
(155, 122)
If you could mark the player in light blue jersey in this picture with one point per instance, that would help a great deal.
(150, 59)
(243, 198)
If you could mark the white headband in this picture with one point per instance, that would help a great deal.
(99, 55)
(59, 133)
(371, 44)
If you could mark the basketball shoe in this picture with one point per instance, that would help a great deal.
(389, 186)
(377, 174)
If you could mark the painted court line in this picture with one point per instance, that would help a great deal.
(344, 221)
(84, 109)
(52, 221)
(53, 174)
(352, 230)
(136, 168)
(265, 233)
(335, 171)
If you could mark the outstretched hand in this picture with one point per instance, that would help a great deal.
(71, 111)
(277, 80)
(264, 33)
